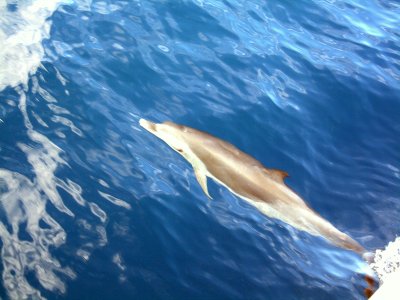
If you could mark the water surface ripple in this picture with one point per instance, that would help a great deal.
(93, 207)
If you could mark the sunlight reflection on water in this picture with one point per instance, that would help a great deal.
(28, 230)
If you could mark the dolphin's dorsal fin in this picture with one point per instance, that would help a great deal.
(202, 179)
(278, 175)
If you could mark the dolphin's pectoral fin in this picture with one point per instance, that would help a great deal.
(202, 179)
(278, 175)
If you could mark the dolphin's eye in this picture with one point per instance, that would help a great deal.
(179, 150)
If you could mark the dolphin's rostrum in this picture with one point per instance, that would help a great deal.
(248, 179)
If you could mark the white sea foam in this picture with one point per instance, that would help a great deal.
(23, 202)
(23, 205)
(27, 231)
(115, 200)
(387, 261)
(23, 27)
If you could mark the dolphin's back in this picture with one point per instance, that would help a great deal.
(240, 172)
(199, 139)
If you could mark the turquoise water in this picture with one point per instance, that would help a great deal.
(93, 207)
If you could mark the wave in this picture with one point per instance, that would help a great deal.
(27, 230)
(23, 27)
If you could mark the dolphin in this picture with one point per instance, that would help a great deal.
(248, 179)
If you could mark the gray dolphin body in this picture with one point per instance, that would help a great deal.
(248, 179)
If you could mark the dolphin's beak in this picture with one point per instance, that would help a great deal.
(149, 126)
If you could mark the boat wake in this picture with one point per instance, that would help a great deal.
(27, 230)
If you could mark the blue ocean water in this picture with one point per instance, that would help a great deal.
(94, 207)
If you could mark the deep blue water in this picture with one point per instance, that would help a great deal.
(93, 207)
